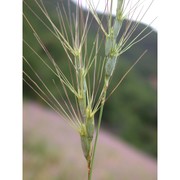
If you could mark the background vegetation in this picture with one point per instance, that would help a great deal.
(131, 113)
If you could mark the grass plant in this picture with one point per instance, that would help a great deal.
(82, 93)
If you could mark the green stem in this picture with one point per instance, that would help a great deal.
(89, 170)
(97, 134)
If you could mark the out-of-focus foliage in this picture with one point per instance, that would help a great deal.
(131, 111)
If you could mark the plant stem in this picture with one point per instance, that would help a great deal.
(89, 170)
(97, 134)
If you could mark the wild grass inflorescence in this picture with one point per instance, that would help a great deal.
(90, 72)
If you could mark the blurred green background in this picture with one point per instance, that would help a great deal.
(131, 112)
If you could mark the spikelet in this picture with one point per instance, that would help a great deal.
(110, 66)
(117, 27)
(111, 50)
(109, 45)
(90, 128)
(82, 92)
(82, 104)
(119, 5)
(86, 146)
(89, 123)
(119, 19)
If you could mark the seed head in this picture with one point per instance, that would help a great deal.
(110, 66)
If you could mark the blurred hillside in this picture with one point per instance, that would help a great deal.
(131, 113)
